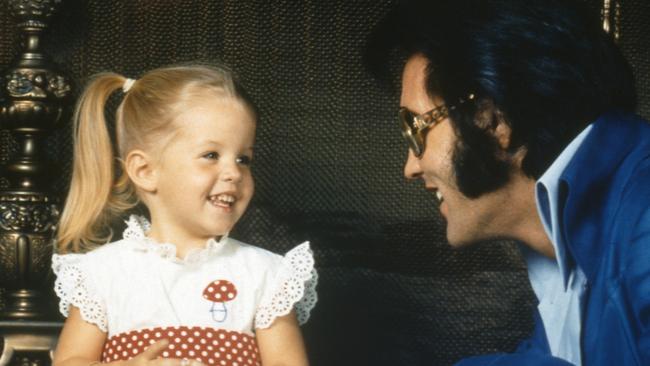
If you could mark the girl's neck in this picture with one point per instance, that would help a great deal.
(184, 242)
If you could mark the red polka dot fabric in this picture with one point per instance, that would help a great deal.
(210, 346)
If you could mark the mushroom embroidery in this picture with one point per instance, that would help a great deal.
(219, 292)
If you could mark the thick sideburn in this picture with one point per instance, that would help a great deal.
(476, 163)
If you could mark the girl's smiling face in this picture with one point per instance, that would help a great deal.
(203, 177)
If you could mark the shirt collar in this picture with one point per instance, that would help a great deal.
(550, 203)
(136, 233)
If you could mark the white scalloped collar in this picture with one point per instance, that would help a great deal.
(135, 233)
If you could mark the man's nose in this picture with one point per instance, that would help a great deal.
(412, 169)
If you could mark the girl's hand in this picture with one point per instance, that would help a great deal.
(151, 357)
(81, 344)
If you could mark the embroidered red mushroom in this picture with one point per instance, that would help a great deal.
(219, 292)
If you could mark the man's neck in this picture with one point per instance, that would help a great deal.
(538, 240)
(527, 226)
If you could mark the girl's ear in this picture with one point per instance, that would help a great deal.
(140, 168)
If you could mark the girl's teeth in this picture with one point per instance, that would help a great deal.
(226, 198)
(223, 199)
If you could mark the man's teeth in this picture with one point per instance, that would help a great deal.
(439, 195)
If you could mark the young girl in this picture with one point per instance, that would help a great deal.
(176, 291)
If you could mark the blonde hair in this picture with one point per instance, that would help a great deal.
(144, 119)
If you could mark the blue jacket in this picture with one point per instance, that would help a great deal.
(606, 218)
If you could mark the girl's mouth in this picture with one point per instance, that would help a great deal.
(223, 200)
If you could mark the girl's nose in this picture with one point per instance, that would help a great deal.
(412, 169)
(231, 172)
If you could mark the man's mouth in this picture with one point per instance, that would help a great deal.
(439, 196)
(437, 193)
(223, 200)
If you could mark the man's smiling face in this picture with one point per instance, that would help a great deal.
(468, 220)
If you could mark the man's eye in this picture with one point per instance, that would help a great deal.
(211, 155)
(244, 160)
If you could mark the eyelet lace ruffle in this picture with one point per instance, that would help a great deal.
(71, 286)
(135, 232)
(297, 291)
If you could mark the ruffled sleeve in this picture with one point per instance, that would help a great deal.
(74, 287)
(292, 288)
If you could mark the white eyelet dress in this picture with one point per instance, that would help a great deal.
(207, 305)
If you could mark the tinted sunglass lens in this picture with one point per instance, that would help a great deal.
(407, 121)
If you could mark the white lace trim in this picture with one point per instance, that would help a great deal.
(72, 288)
(297, 290)
(135, 232)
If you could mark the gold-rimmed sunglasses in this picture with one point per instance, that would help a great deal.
(414, 125)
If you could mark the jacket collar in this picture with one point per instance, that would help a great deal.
(588, 182)
(550, 198)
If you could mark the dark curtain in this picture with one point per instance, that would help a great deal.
(328, 166)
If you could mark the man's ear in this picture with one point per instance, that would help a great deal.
(501, 130)
(491, 119)
(503, 134)
(141, 170)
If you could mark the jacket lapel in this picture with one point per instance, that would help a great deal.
(594, 180)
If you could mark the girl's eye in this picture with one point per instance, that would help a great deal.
(211, 155)
(244, 160)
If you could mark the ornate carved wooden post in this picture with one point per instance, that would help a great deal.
(32, 99)
(611, 14)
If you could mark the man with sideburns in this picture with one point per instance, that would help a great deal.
(519, 118)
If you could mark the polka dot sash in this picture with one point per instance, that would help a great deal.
(210, 346)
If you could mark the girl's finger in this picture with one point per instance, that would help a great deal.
(154, 350)
(178, 362)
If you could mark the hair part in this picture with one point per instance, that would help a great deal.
(100, 189)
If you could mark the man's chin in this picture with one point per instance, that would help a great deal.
(464, 240)
(460, 241)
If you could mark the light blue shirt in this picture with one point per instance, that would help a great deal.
(558, 283)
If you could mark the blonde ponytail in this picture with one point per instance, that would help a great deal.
(144, 120)
(91, 203)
